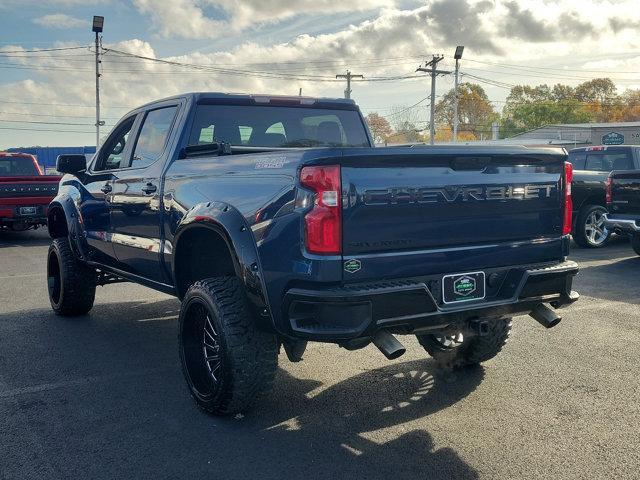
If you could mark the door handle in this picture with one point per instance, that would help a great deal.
(106, 188)
(149, 188)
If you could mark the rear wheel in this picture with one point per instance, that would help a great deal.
(635, 243)
(456, 349)
(71, 283)
(227, 362)
(590, 231)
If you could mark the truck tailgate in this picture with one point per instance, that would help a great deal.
(625, 189)
(414, 207)
(38, 188)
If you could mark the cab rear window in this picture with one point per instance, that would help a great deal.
(608, 161)
(282, 127)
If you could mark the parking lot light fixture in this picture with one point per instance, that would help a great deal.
(98, 23)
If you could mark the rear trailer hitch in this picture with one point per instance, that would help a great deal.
(479, 327)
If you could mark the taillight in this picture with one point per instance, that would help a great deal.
(608, 190)
(568, 202)
(323, 224)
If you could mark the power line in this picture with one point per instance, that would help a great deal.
(392, 114)
(52, 115)
(46, 123)
(63, 104)
(57, 49)
(46, 130)
(523, 67)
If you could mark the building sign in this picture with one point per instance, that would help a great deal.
(613, 138)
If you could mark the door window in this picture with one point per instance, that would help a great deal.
(112, 152)
(153, 136)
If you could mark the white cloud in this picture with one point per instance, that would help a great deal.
(189, 18)
(60, 20)
(387, 44)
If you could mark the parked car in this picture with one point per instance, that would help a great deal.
(592, 166)
(25, 192)
(276, 222)
(623, 200)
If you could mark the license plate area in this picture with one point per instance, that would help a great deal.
(463, 287)
(28, 210)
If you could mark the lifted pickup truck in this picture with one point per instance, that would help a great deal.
(591, 168)
(276, 223)
(25, 192)
(623, 200)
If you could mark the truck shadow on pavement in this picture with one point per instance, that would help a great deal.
(343, 426)
(105, 398)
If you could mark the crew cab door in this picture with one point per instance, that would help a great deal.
(135, 201)
(98, 186)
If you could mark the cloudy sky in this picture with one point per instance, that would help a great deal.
(280, 46)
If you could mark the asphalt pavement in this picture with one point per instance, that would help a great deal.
(103, 396)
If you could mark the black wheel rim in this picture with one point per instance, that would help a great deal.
(53, 277)
(202, 352)
(448, 342)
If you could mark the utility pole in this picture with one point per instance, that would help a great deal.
(433, 63)
(348, 76)
(98, 23)
(457, 56)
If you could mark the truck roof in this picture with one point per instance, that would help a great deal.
(249, 99)
(461, 149)
(595, 148)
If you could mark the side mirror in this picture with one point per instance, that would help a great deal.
(72, 163)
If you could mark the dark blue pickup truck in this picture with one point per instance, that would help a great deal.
(276, 222)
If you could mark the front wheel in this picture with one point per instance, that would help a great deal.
(635, 243)
(71, 283)
(456, 349)
(590, 231)
(227, 362)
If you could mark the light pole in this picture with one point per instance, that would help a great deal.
(98, 23)
(457, 55)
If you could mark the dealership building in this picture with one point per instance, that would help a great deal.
(581, 134)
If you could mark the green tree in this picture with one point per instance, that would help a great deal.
(475, 112)
(532, 107)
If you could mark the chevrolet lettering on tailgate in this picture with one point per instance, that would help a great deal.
(457, 194)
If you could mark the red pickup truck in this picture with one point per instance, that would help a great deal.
(25, 192)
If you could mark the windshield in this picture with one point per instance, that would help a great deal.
(269, 126)
(17, 166)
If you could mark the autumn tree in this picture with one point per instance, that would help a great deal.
(600, 99)
(379, 126)
(475, 112)
(629, 110)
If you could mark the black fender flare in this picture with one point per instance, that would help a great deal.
(232, 226)
(73, 218)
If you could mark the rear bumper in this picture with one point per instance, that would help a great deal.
(11, 210)
(623, 223)
(414, 305)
